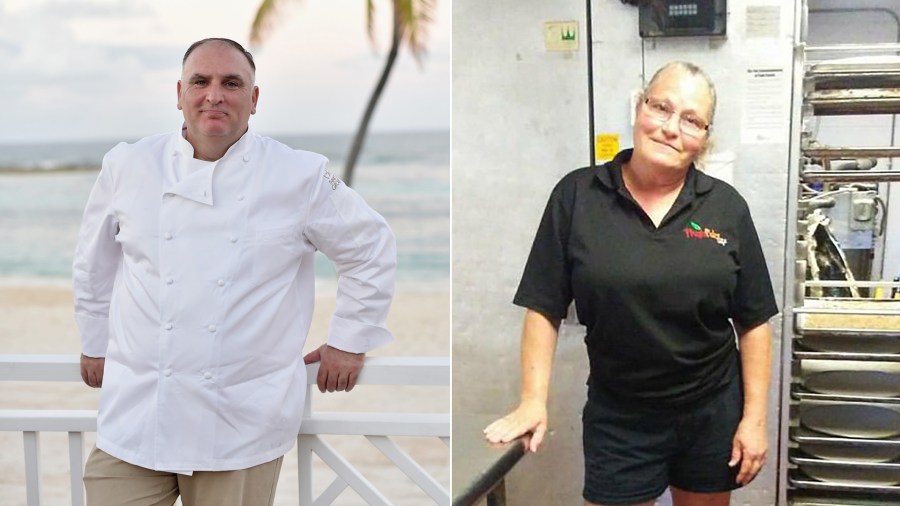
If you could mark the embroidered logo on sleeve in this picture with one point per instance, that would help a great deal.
(332, 180)
(695, 231)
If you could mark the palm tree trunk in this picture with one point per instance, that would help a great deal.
(363, 128)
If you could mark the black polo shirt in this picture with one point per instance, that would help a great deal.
(657, 302)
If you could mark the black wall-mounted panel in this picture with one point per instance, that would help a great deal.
(682, 18)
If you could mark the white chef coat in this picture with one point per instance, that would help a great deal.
(196, 282)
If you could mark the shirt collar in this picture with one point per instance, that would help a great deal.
(198, 185)
(610, 175)
(241, 148)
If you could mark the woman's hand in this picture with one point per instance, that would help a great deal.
(530, 416)
(749, 449)
(539, 334)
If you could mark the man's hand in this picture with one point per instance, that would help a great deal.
(530, 416)
(338, 370)
(749, 449)
(92, 371)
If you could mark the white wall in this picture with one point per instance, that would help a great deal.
(520, 122)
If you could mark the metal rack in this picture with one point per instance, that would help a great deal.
(838, 446)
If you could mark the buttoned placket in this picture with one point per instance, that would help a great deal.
(174, 218)
(184, 215)
(167, 315)
(684, 200)
(167, 310)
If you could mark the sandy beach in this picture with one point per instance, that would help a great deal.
(36, 318)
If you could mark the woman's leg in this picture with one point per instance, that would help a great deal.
(684, 498)
(648, 503)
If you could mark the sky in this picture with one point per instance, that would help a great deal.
(73, 70)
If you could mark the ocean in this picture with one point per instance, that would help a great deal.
(403, 176)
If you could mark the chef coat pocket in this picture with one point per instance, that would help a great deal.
(273, 251)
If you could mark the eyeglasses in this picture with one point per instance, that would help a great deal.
(662, 111)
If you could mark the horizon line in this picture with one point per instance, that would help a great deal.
(5, 142)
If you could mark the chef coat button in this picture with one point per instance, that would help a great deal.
(168, 236)
(207, 375)
(240, 197)
(174, 153)
(170, 281)
(169, 326)
(246, 158)
(204, 193)
(211, 328)
(232, 238)
(220, 282)
(167, 372)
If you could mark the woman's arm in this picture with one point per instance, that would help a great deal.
(750, 445)
(539, 335)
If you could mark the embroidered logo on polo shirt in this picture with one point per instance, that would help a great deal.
(332, 180)
(695, 231)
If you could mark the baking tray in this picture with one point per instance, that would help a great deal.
(852, 449)
(854, 73)
(797, 479)
(860, 420)
(832, 498)
(850, 473)
(848, 326)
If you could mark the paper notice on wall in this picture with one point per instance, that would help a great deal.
(765, 106)
(763, 21)
(606, 146)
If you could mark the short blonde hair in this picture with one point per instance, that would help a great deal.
(692, 70)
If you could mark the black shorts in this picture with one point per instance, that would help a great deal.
(632, 456)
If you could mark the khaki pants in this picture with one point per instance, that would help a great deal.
(112, 482)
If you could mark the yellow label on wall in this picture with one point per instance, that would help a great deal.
(606, 146)
(561, 36)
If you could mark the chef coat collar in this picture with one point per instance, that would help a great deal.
(239, 148)
(610, 175)
(197, 185)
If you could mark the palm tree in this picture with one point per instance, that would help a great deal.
(410, 24)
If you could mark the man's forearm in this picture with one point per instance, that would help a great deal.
(539, 336)
(94, 266)
(756, 362)
(364, 251)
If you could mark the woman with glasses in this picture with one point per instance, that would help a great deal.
(668, 277)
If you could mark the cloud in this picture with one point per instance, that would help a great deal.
(55, 80)
(68, 9)
(39, 47)
(151, 58)
(9, 49)
(372, 58)
(96, 69)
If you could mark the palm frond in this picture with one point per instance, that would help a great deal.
(416, 16)
(370, 22)
(265, 21)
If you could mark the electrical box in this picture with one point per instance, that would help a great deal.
(681, 18)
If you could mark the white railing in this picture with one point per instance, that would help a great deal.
(377, 427)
